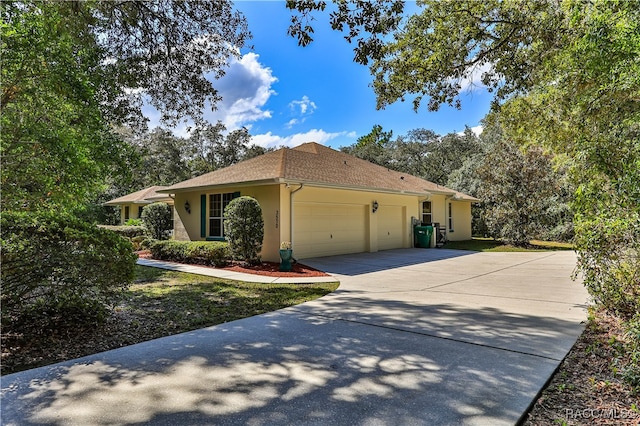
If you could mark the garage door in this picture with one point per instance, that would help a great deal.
(390, 227)
(328, 229)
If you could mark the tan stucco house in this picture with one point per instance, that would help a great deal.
(323, 201)
(131, 205)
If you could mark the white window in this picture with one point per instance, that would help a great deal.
(217, 203)
(426, 213)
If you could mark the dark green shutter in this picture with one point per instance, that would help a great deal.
(236, 194)
(203, 215)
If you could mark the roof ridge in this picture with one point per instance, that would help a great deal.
(283, 160)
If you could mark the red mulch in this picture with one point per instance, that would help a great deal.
(271, 269)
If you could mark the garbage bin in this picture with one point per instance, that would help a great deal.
(423, 236)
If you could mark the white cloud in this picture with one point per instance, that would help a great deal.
(245, 89)
(291, 123)
(473, 78)
(305, 106)
(475, 129)
(314, 135)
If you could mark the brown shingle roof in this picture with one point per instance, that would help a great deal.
(144, 196)
(316, 164)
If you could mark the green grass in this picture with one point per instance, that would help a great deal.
(489, 244)
(159, 303)
(169, 302)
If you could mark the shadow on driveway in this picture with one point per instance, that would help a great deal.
(291, 368)
(365, 263)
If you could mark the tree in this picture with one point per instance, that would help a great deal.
(157, 219)
(213, 149)
(244, 229)
(71, 70)
(372, 146)
(517, 189)
(54, 263)
(164, 159)
(424, 153)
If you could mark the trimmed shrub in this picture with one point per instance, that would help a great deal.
(214, 253)
(126, 231)
(157, 219)
(244, 229)
(134, 222)
(57, 264)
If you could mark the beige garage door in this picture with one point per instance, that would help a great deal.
(328, 229)
(390, 227)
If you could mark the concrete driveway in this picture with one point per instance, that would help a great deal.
(423, 337)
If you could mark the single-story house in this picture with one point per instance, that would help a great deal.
(131, 205)
(325, 202)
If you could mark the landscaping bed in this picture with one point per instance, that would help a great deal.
(271, 269)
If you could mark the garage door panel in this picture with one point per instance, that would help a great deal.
(390, 227)
(329, 229)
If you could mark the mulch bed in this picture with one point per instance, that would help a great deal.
(271, 269)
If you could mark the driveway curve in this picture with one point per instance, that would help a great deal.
(411, 337)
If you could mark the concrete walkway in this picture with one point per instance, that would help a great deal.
(411, 337)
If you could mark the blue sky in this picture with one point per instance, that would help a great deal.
(287, 95)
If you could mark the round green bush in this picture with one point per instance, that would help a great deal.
(157, 219)
(244, 229)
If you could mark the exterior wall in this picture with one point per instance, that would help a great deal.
(461, 221)
(188, 227)
(133, 212)
(376, 230)
(275, 200)
(461, 215)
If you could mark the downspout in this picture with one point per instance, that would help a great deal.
(291, 212)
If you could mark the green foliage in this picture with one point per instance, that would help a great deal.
(60, 265)
(587, 105)
(439, 156)
(133, 222)
(244, 228)
(609, 255)
(163, 158)
(517, 190)
(420, 152)
(368, 22)
(372, 147)
(631, 372)
(214, 253)
(157, 220)
(126, 231)
(214, 150)
(68, 70)
(55, 147)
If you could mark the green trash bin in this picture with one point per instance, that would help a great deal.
(423, 236)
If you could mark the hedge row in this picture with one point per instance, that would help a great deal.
(126, 231)
(214, 253)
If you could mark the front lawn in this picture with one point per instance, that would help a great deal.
(489, 244)
(159, 303)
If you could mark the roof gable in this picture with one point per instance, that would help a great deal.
(144, 196)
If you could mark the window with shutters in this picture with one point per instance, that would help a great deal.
(217, 203)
